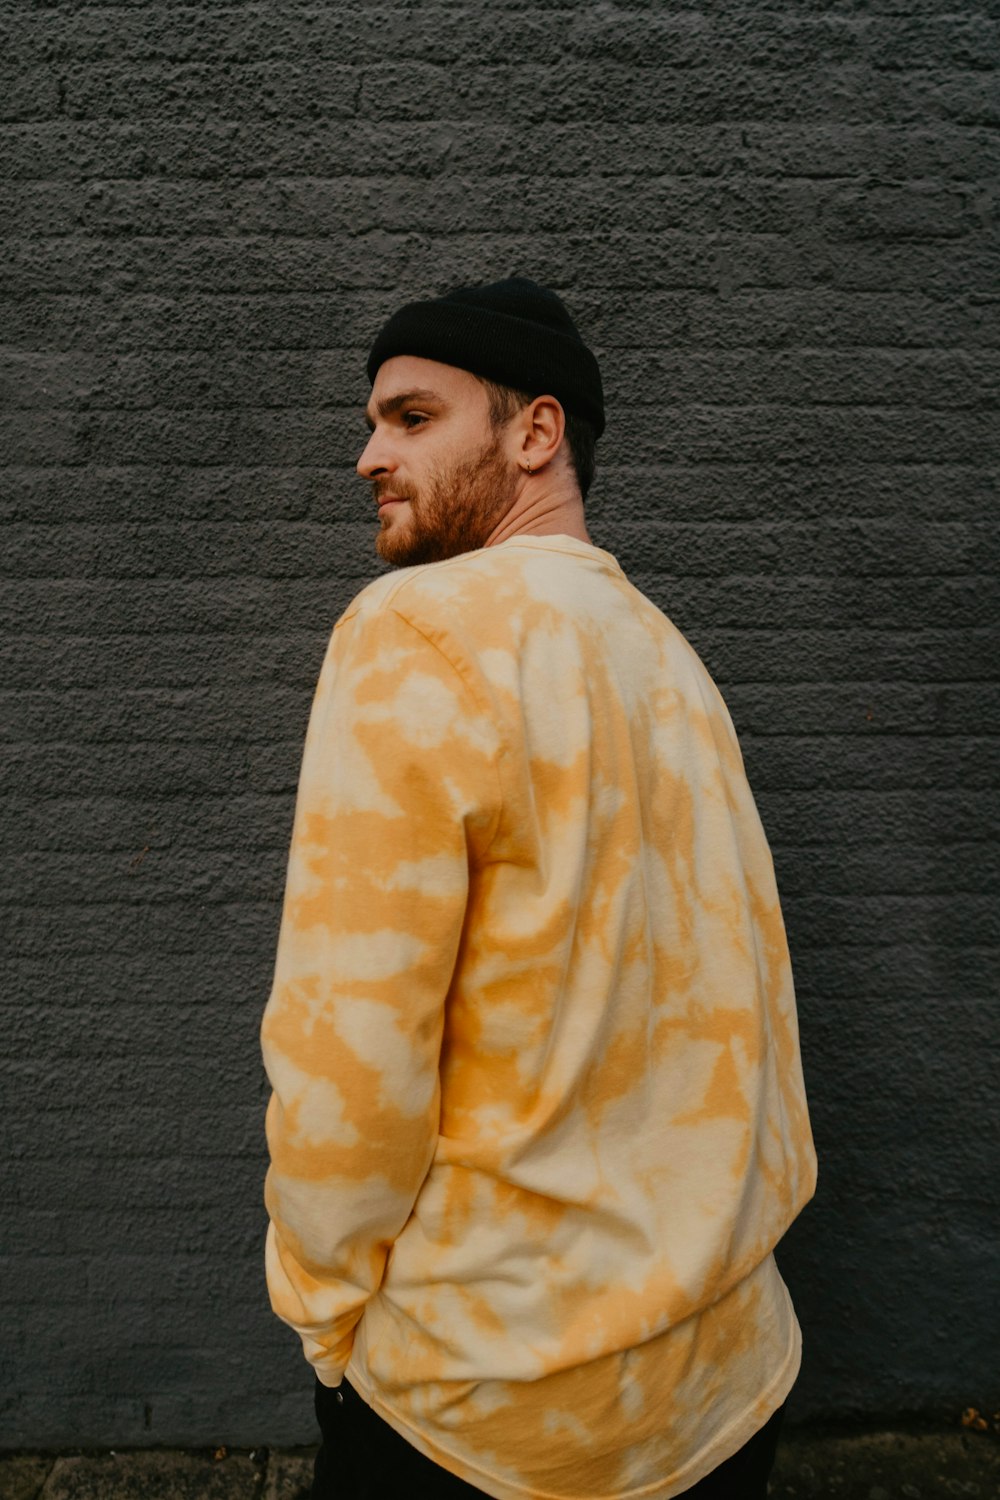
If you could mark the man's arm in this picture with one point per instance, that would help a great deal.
(398, 794)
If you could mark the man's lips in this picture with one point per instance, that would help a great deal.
(389, 500)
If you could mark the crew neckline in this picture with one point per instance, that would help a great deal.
(560, 541)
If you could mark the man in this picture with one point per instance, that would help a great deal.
(538, 1117)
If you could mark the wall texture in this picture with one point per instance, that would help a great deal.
(777, 224)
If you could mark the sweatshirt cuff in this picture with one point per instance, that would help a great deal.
(329, 1364)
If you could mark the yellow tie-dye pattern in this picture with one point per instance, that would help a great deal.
(538, 1116)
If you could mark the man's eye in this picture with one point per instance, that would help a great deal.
(413, 418)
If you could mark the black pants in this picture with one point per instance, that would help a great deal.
(363, 1458)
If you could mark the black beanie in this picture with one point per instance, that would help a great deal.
(514, 332)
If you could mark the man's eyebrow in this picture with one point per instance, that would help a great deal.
(390, 404)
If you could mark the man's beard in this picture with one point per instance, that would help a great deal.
(456, 512)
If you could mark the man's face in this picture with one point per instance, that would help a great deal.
(443, 474)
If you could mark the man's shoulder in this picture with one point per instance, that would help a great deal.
(432, 591)
(499, 596)
(373, 599)
(480, 608)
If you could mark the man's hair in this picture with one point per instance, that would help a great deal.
(505, 403)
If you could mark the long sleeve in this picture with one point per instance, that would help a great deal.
(398, 796)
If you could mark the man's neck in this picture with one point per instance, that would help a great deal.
(542, 511)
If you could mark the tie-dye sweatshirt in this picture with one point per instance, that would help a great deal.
(538, 1116)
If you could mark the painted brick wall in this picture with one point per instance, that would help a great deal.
(777, 225)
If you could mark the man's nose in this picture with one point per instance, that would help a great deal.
(376, 458)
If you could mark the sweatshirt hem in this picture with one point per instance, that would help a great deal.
(739, 1431)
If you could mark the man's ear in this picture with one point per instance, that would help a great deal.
(543, 425)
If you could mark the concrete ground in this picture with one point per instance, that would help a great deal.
(812, 1465)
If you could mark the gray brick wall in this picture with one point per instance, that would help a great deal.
(777, 225)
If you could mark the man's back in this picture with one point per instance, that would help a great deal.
(563, 975)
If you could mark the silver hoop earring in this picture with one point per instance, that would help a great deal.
(527, 468)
